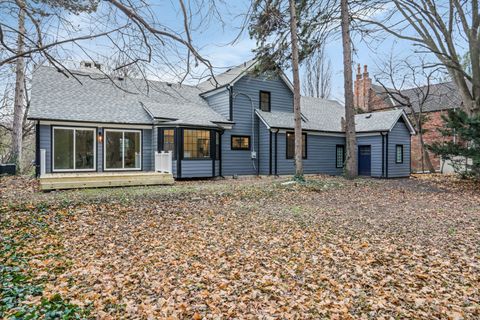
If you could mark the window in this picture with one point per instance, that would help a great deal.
(123, 150)
(291, 145)
(265, 101)
(74, 149)
(340, 155)
(168, 141)
(240, 142)
(399, 153)
(196, 144)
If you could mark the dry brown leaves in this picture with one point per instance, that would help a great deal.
(369, 249)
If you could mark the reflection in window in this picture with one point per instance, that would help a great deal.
(196, 144)
(123, 149)
(169, 141)
(291, 145)
(73, 149)
(240, 142)
(340, 156)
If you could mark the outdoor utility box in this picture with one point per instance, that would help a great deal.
(8, 169)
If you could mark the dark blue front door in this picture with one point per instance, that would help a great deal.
(364, 160)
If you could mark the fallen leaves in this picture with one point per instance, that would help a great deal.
(369, 249)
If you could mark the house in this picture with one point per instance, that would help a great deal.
(235, 124)
(438, 99)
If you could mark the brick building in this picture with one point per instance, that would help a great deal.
(431, 102)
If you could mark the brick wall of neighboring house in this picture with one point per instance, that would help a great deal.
(367, 99)
(432, 122)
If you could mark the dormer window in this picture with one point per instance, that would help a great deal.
(265, 104)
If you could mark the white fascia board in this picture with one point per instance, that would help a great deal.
(213, 92)
(94, 124)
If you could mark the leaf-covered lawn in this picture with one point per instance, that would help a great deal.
(248, 249)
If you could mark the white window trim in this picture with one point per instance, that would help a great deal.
(123, 150)
(74, 129)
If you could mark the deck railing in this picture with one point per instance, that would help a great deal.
(163, 161)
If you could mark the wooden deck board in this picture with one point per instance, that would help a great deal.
(56, 181)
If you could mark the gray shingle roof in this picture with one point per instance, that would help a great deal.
(326, 115)
(441, 96)
(226, 77)
(97, 99)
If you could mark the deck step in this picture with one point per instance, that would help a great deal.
(97, 180)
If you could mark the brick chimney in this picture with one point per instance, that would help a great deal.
(361, 89)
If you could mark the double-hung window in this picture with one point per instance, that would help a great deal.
(74, 149)
(399, 153)
(291, 145)
(123, 149)
(340, 155)
(265, 103)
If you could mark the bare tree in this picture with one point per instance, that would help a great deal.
(317, 79)
(411, 86)
(444, 29)
(351, 169)
(296, 91)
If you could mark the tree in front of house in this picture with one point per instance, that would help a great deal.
(462, 147)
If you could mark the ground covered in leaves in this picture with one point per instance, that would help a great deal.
(254, 249)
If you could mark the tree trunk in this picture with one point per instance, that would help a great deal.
(296, 92)
(19, 100)
(351, 169)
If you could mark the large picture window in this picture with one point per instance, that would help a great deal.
(74, 149)
(291, 145)
(123, 149)
(196, 144)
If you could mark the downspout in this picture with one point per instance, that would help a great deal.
(178, 144)
(276, 153)
(213, 147)
(230, 103)
(37, 149)
(386, 157)
(220, 153)
(270, 153)
(383, 154)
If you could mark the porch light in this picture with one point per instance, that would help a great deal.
(100, 137)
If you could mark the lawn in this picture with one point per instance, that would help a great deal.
(255, 249)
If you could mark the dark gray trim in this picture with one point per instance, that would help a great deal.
(213, 149)
(179, 150)
(386, 157)
(220, 155)
(383, 156)
(270, 153)
(37, 149)
(276, 153)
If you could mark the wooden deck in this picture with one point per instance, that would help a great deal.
(56, 181)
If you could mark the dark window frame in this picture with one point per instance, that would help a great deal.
(396, 153)
(161, 141)
(336, 155)
(209, 145)
(269, 100)
(240, 136)
(304, 150)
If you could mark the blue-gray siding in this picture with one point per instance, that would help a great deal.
(399, 135)
(320, 155)
(46, 143)
(148, 151)
(220, 102)
(375, 142)
(264, 149)
(196, 168)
